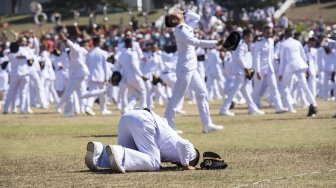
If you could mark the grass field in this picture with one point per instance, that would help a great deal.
(287, 150)
(313, 12)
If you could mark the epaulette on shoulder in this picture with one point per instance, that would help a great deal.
(181, 27)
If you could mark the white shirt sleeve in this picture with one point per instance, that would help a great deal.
(138, 49)
(184, 149)
(184, 35)
(135, 64)
(241, 55)
(256, 56)
(282, 57)
(303, 54)
(71, 44)
(192, 18)
(105, 68)
(117, 65)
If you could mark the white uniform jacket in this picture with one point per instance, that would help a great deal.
(96, 60)
(186, 43)
(135, 46)
(48, 71)
(170, 145)
(241, 58)
(129, 64)
(329, 60)
(77, 66)
(18, 62)
(4, 76)
(292, 57)
(311, 54)
(152, 65)
(263, 56)
(213, 63)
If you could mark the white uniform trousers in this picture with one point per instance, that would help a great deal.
(79, 101)
(193, 80)
(159, 93)
(170, 79)
(260, 86)
(50, 91)
(285, 84)
(95, 86)
(138, 136)
(312, 83)
(320, 84)
(122, 96)
(72, 86)
(137, 90)
(328, 85)
(245, 85)
(228, 85)
(149, 99)
(38, 89)
(212, 82)
(17, 87)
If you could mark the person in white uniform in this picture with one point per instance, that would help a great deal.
(36, 94)
(49, 76)
(78, 71)
(241, 67)
(263, 57)
(135, 45)
(168, 76)
(123, 91)
(60, 60)
(214, 73)
(144, 141)
(329, 66)
(96, 60)
(18, 77)
(226, 66)
(4, 76)
(158, 89)
(186, 69)
(293, 62)
(148, 69)
(130, 66)
(311, 53)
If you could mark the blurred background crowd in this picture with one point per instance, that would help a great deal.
(218, 19)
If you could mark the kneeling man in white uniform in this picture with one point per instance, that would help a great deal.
(144, 141)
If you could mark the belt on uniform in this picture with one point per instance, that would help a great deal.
(143, 108)
(147, 109)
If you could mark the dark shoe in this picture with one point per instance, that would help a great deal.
(312, 111)
(232, 105)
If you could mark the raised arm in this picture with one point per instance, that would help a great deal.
(183, 35)
(191, 18)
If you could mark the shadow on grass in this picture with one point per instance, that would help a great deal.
(98, 136)
(108, 171)
(297, 118)
(44, 113)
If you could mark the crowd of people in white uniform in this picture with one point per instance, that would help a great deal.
(282, 69)
(73, 71)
